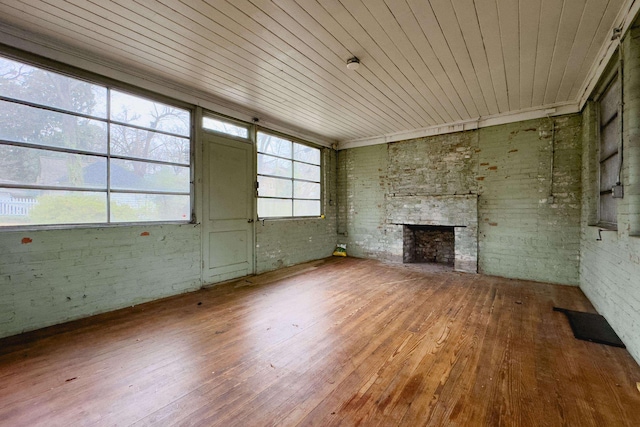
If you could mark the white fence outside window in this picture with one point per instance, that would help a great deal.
(16, 206)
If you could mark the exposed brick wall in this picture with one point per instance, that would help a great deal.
(443, 164)
(288, 242)
(610, 268)
(521, 234)
(48, 277)
(280, 243)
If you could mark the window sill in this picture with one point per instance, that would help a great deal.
(291, 218)
(8, 229)
(605, 226)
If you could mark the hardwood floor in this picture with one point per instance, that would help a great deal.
(334, 342)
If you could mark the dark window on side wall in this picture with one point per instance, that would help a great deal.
(609, 159)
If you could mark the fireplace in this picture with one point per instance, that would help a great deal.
(429, 244)
(453, 219)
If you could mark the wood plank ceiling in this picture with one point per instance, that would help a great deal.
(423, 63)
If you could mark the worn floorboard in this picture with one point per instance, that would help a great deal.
(333, 342)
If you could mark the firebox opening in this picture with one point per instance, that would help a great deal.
(429, 244)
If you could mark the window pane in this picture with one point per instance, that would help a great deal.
(274, 187)
(30, 166)
(609, 139)
(270, 144)
(609, 173)
(608, 209)
(273, 208)
(268, 165)
(609, 102)
(131, 207)
(306, 190)
(304, 171)
(143, 144)
(20, 123)
(152, 115)
(224, 127)
(31, 84)
(306, 208)
(306, 154)
(130, 175)
(36, 207)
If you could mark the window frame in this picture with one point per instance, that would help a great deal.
(608, 82)
(109, 84)
(321, 165)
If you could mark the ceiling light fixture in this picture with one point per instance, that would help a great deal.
(353, 63)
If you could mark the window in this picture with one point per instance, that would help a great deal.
(609, 160)
(216, 125)
(288, 178)
(74, 152)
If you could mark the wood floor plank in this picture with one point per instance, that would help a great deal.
(332, 342)
(360, 377)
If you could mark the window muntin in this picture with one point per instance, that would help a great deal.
(73, 152)
(217, 125)
(288, 178)
(609, 159)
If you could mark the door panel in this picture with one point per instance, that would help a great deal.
(228, 180)
(228, 225)
(228, 248)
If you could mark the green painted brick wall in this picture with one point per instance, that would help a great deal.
(362, 186)
(52, 276)
(522, 234)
